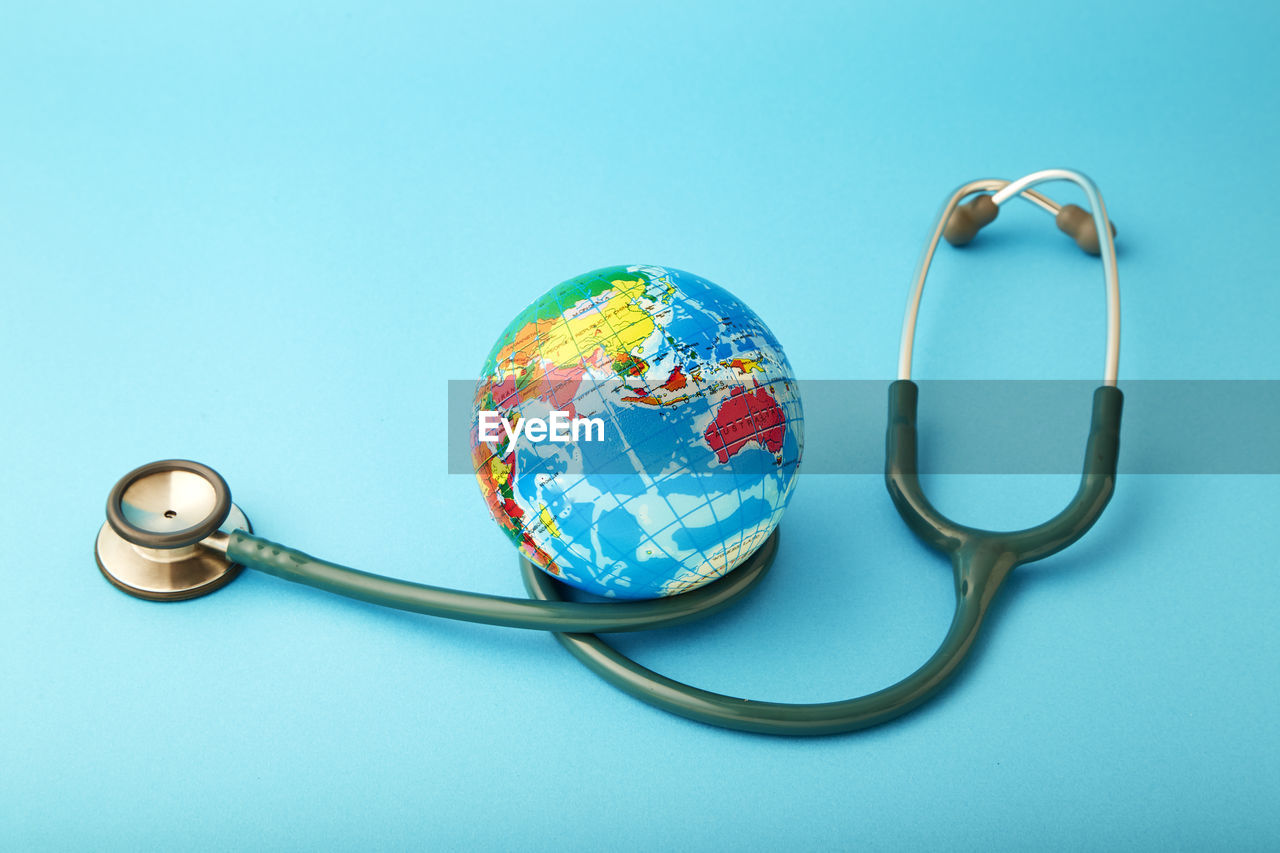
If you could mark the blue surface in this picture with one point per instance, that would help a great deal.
(266, 238)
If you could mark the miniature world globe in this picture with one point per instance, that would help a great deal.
(637, 432)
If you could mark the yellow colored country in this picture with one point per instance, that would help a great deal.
(618, 325)
(549, 521)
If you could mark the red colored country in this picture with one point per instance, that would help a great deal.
(746, 416)
(676, 380)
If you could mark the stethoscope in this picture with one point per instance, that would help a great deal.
(173, 533)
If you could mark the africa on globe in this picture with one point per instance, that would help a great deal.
(637, 432)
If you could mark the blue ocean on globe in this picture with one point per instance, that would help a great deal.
(665, 432)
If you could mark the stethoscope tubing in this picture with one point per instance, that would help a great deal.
(981, 561)
(569, 616)
(763, 717)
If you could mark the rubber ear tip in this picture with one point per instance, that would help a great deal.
(970, 218)
(1077, 223)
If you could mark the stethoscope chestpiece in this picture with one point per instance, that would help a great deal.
(165, 534)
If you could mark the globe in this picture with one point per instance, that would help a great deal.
(637, 432)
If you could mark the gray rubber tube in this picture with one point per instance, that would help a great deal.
(571, 616)
(980, 559)
(775, 718)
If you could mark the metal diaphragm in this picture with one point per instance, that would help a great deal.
(160, 540)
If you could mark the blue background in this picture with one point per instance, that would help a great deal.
(266, 236)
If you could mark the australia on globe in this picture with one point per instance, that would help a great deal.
(637, 432)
